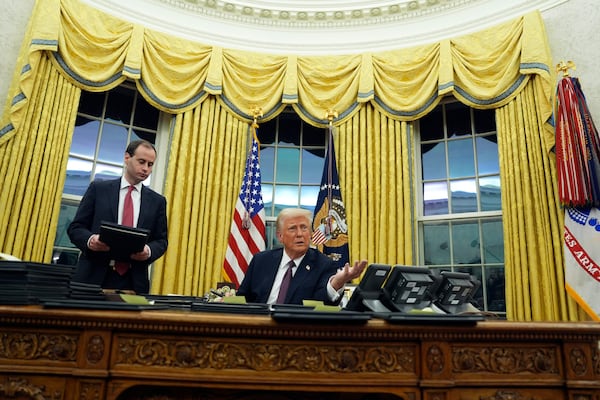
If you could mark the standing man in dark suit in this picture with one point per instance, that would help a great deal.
(104, 201)
(313, 274)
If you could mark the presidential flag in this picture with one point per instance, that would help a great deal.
(330, 230)
(578, 170)
(247, 235)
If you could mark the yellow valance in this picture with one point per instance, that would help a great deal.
(97, 51)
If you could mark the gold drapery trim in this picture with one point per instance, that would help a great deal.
(98, 51)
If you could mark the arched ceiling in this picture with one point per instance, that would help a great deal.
(318, 27)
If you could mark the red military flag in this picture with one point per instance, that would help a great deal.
(578, 169)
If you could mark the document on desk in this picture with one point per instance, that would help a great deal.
(123, 240)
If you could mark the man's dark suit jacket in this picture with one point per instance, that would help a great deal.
(100, 203)
(309, 281)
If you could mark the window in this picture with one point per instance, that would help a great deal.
(292, 155)
(106, 122)
(460, 215)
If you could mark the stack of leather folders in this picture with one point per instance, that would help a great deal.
(24, 282)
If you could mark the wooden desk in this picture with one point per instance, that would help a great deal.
(163, 355)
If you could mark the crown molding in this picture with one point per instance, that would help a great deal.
(315, 27)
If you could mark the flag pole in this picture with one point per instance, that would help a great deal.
(330, 114)
(256, 113)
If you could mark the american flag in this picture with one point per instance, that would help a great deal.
(318, 236)
(247, 235)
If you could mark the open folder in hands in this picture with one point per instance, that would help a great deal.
(123, 240)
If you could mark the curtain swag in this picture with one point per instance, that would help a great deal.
(97, 52)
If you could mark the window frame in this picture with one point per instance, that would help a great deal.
(451, 218)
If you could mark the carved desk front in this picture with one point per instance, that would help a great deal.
(167, 355)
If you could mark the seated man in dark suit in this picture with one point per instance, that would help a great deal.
(107, 201)
(313, 275)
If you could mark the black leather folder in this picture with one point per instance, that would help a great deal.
(123, 240)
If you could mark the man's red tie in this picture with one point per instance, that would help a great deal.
(120, 266)
(285, 283)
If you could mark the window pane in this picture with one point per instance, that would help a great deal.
(67, 213)
(308, 197)
(458, 120)
(312, 166)
(104, 171)
(493, 242)
(436, 244)
(465, 243)
(431, 125)
(267, 195)
(484, 120)
(267, 160)
(495, 289)
(489, 187)
(461, 159)
(85, 137)
(145, 115)
(288, 165)
(435, 198)
(460, 179)
(313, 136)
(78, 176)
(119, 105)
(433, 159)
(112, 143)
(271, 233)
(266, 132)
(65, 256)
(487, 155)
(91, 103)
(476, 273)
(285, 196)
(464, 196)
(289, 128)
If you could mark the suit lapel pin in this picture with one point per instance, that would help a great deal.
(308, 267)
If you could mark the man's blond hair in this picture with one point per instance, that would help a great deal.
(290, 213)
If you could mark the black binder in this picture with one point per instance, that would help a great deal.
(123, 240)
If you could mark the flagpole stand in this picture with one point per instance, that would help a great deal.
(564, 67)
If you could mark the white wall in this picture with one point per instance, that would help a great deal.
(574, 33)
(14, 16)
(572, 29)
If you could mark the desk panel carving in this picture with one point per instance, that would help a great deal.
(38, 346)
(505, 360)
(222, 354)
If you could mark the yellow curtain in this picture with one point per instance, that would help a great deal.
(205, 165)
(97, 51)
(33, 166)
(374, 159)
(533, 218)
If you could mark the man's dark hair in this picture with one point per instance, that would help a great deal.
(133, 145)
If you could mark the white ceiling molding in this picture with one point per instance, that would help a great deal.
(317, 27)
